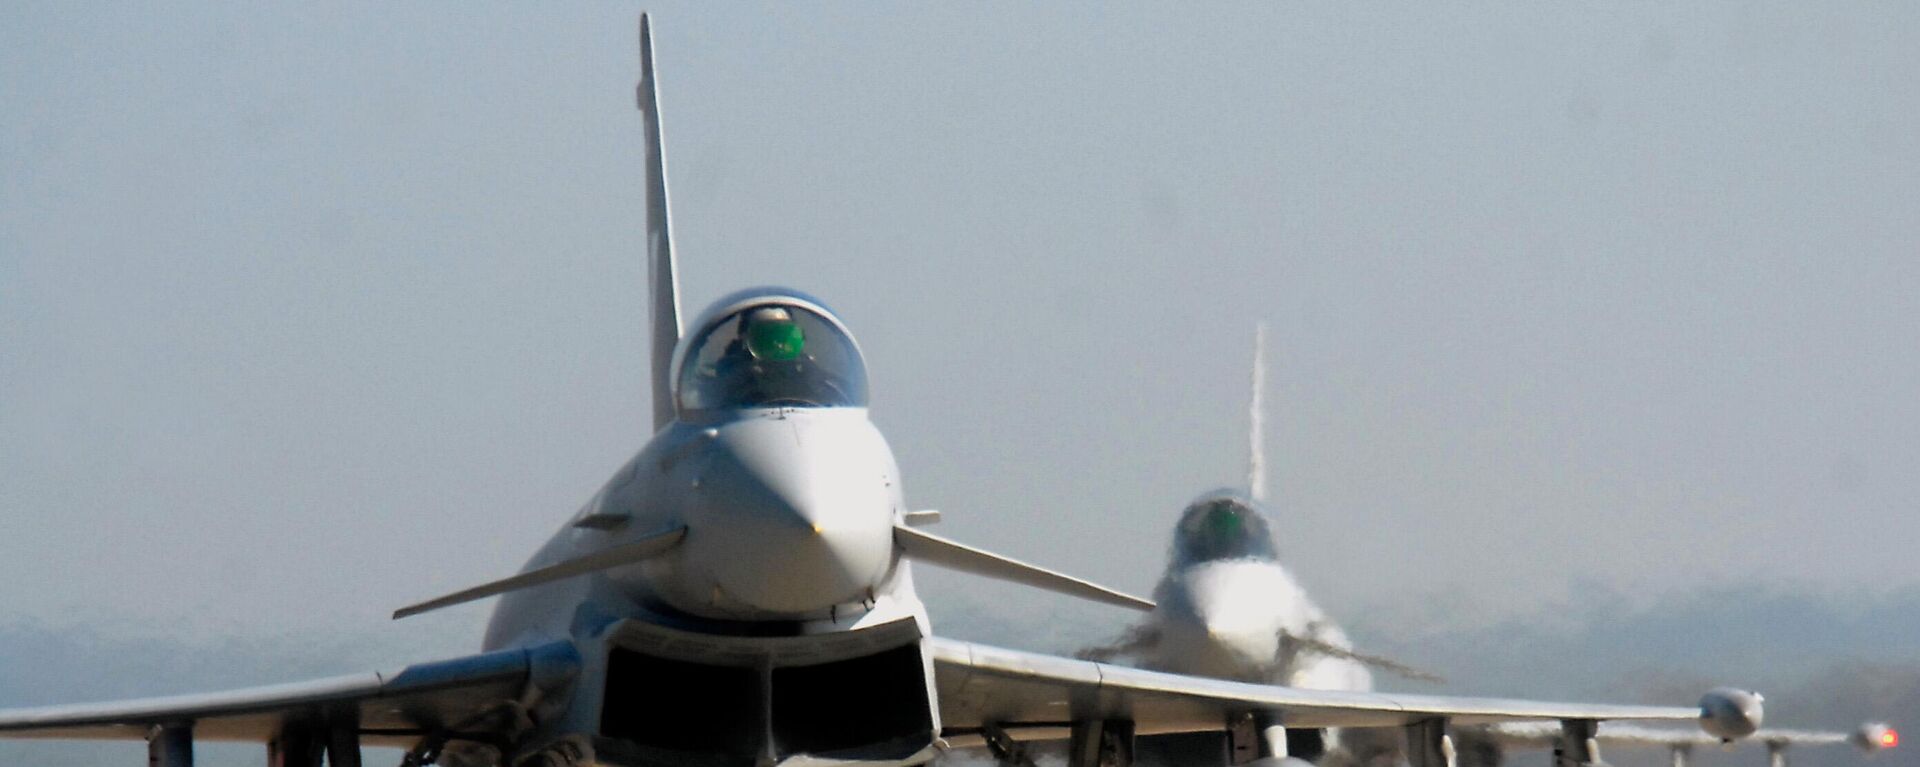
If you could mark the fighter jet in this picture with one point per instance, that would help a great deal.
(1226, 607)
(741, 593)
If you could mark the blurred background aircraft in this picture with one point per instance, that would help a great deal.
(1227, 607)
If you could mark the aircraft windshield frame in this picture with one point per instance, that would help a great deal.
(1222, 527)
(769, 354)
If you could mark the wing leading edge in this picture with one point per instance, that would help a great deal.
(1869, 737)
(392, 708)
(979, 687)
(983, 686)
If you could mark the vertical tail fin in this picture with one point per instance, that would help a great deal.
(663, 284)
(1257, 419)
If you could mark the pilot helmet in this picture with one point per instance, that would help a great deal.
(772, 334)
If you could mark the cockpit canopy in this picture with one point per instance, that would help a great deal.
(777, 352)
(1222, 525)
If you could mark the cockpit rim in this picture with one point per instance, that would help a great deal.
(1268, 547)
(726, 306)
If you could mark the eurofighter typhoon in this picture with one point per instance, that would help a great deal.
(1226, 607)
(741, 593)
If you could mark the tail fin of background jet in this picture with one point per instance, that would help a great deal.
(663, 284)
(1257, 420)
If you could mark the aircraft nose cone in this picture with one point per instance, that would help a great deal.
(796, 516)
(1246, 644)
(1228, 607)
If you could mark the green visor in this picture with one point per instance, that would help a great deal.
(1224, 524)
(776, 340)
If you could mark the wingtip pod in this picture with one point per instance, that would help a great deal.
(1874, 737)
(1730, 713)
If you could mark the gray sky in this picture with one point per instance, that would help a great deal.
(308, 313)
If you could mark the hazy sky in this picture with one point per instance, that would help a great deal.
(310, 312)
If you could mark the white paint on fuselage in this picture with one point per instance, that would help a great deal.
(789, 515)
(1221, 619)
(1226, 619)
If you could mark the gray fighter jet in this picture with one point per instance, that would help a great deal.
(1226, 607)
(741, 593)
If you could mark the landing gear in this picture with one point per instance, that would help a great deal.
(1776, 753)
(1006, 751)
(170, 745)
(305, 744)
(1259, 739)
(1429, 745)
(343, 743)
(1578, 747)
(1101, 743)
(295, 746)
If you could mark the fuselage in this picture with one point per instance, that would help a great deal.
(1242, 619)
(1227, 608)
(789, 515)
(788, 496)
